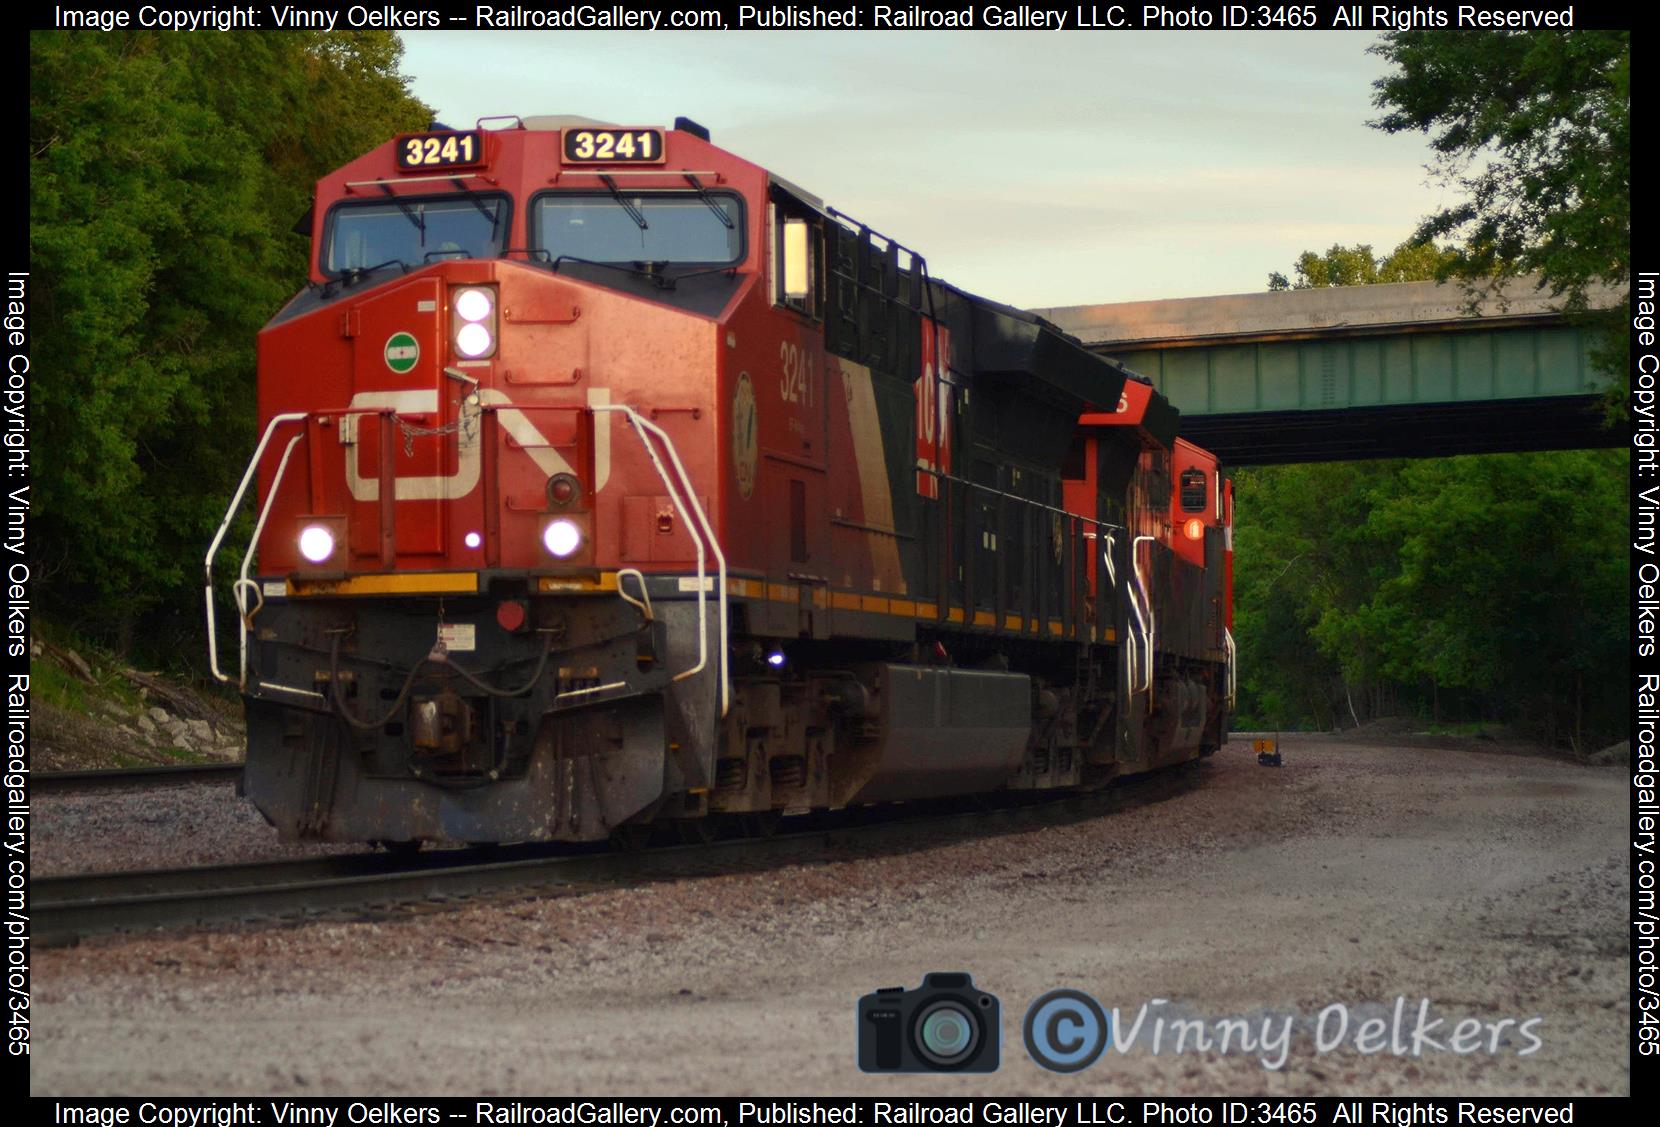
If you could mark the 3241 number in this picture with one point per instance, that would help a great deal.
(641, 146)
(440, 150)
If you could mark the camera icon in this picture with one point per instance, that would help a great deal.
(945, 1025)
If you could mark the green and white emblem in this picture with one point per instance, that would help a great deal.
(402, 350)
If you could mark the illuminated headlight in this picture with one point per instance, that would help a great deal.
(473, 321)
(473, 305)
(473, 340)
(316, 543)
(562, 538)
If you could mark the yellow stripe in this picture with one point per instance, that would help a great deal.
(563, 585)
(840, 600)
(872, 469)
(412, 583)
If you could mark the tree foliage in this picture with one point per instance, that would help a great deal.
(166, 174)
(1534, 131)
(1479, 587)
(1356, 266)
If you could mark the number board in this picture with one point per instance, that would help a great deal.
(441, 150)
(614, 146)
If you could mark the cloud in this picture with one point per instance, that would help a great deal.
(1036, 167)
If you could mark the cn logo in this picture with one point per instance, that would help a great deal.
(468, 461)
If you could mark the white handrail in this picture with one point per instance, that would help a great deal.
(218, 538)
(1151, 621)
(1233, 666)
(242, 581)
(643, 603)
(701, 531)
(1133, 657)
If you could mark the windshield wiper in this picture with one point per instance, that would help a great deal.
(634, 213)
(493, 214)
(708, 202)
(640, 268)
(409, 213)
(351, 275)
(732, 269)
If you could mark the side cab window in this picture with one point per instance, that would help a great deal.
(797, 256)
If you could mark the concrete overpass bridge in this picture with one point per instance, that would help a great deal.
(1399, 370)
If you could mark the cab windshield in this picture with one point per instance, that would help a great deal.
(704, 229)
(414, 232)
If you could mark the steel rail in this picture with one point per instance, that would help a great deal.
(66, 909)
(122, 778)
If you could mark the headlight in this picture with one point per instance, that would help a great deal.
(562, 538)
(473, 321)
(316, 543)
(473, 305)
(473, 340)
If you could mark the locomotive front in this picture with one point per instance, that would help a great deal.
(485, 600)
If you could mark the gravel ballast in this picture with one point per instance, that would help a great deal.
(1491, 884)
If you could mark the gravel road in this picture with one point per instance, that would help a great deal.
(1489, 883)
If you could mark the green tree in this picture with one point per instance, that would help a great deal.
(1534, 130)
(1487, 587)
(1356, 266)
(1305, 562)
(166, 174)
(1490, 587)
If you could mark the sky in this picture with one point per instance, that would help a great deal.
(1037, 168)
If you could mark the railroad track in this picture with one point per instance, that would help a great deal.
(126, 778)
(68, 908)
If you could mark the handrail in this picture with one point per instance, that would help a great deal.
(243, 583)
(954, 479)
(1233, 666)
(643, 603)
(218, 538)
(1151, 621)
(645, 430)
(1133, 657)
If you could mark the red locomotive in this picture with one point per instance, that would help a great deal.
(608, 479)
